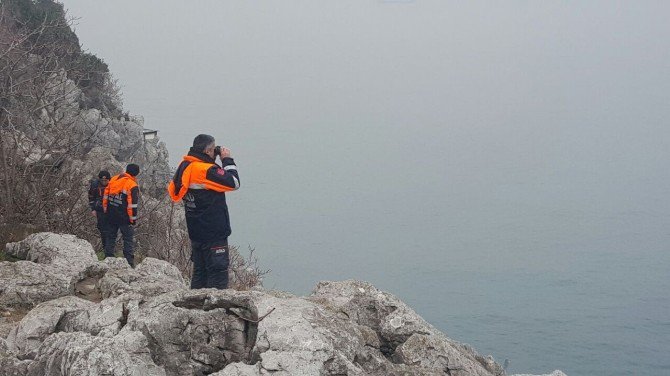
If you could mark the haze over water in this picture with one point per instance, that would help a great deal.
(502, 168)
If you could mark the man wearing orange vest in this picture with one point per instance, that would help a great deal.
(120, 203)
(201, 184)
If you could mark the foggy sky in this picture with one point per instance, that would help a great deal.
(511, 74)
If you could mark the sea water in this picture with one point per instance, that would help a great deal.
(554, 255)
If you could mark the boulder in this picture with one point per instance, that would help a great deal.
(81, 354)
(101, 268)
(298, 336)
(404, 336)
(55, 262)
(11, 366)
(70, 314)
(24, 283)
(197, 331)
(68, 253)
(44, 320)
(108, 317)
(151, 277)
(6, 327)
(239, 369)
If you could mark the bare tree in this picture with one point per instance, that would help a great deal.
(47, 87)
(162, 234)
(43, 133)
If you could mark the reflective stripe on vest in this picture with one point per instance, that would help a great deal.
(119, 186)
(194, 176)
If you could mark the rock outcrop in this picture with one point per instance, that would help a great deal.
(83, 354)
(122, 141)
(404, 337)
(54, 263)
(150, 323)
(151, 277)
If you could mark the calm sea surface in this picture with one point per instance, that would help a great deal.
(552, 252)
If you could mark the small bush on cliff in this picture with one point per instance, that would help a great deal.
(161, 233)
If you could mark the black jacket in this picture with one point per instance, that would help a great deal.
(205, 205)
(95, 192)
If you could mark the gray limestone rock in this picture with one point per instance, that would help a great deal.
(197, 331)
(130, 138)
(55, 262)
(223, 332)
(80, 354)
(44, 320)
(404, 336)
(25, 283)
(104, 134)
(239, 369)
(65, 252)
(434, 352)
(297, 336)
(149, 323)
(99, 269)
(69, 314)
(108, 317)
(11, 366)
(151, 277)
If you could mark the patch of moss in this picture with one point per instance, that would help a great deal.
(5, 257)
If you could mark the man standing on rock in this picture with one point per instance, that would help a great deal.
(95, 192)
(202, 184)
(120, 203)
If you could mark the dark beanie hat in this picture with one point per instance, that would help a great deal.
(133, 169)
(104, 174)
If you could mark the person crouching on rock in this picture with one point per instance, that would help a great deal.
(96, 190)
(120, 203)
(201, 184)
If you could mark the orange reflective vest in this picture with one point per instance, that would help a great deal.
(201, 185)
(194, 176)
(121, 198)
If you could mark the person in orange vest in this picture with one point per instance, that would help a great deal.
(202, 185)
(120, 203)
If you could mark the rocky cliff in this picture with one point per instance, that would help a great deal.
(120, 141)
(66, 313)
(61, 121)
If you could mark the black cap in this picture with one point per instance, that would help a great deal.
(133, 169)
(104, 174)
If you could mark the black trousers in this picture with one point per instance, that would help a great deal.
(102, 227)
(127, 232)
(210, 264)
